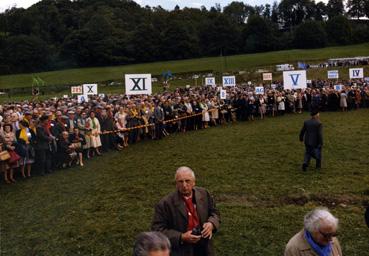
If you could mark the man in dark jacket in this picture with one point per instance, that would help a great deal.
(43, 153)
(312, 135)
(188, 217)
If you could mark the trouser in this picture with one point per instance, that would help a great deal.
(313, 152)
(43, 160)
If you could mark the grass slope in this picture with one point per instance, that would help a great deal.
(220, 64)
(252, 169)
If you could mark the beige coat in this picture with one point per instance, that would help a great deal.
(298, 246)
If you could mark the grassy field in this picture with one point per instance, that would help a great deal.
(249, 62)
(251, 168)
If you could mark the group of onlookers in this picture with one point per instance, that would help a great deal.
(59, 133)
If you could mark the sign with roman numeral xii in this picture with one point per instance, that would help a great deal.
(138, 84)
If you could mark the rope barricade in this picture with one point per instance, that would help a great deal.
(153, 124)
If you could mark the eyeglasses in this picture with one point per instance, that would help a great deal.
(328, 235)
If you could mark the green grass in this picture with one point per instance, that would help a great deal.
(249, 62)
(251, 168)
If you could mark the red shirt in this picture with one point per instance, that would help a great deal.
(193, 219)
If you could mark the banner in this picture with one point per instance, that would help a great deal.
(267, 76)
(229, 81)
(259, 90)
(294, 80)
(333, 74)
(138, 84)
(76, 89)
(356, 73)
(223, 94)
(82, 98)
(90, 89)
(210, 81)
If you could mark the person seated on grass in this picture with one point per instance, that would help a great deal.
(318, 236)
(66, 151)
(77, 141)
(151, 244)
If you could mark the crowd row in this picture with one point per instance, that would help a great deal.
(58, 133)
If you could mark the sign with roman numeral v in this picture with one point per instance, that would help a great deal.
(138, 84)
(294, 80)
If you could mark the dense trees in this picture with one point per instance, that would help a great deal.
(54, 34)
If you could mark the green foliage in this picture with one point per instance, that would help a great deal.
(117, 32)
(339, 30)
(258, 35)
(310, 34)
(30, 51)
(356, 8)
(251, 168)
(335, 8)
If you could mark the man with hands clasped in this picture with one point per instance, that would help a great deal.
(188, 217)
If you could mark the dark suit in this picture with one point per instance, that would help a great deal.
(312, 135)
(171, 219)
(43, 154)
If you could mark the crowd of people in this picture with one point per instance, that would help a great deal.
(58, 133)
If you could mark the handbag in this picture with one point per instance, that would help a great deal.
(4, 155)
(76, 145)
(14, 157)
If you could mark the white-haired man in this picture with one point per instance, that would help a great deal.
(151, 244)
(188, 217)
(318, 238)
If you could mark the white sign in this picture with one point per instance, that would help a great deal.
(101, 95)
(333, 74)
(356, 73)
(138, 84)
(82, 98)
(273, 86)
(65, 96)
(294, 79)
(338, 87)
(267, 76)
(210, 81)
(76, 89)
(259, 90)
(90, 89)
(223, 94)
(229, 81)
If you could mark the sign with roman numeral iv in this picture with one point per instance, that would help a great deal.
(138, 84)
(356, 73)
(294, 80)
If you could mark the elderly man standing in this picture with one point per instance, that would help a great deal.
(188, 217)
(312, 135)
(318, 238)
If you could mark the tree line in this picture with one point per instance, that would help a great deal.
(59, 34)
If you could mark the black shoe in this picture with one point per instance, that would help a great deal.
(304, 167)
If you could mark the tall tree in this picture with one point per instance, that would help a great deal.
(310, 34)
(335, 8)
(339, 30)
(294, 12)
(356, 8)
(238, 11)
(257, 35)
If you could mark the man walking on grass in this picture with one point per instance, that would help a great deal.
(312, 135)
